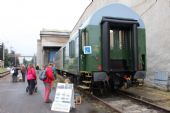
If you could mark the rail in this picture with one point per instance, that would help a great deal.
(90, 95)
(125, 96)
(144, 101)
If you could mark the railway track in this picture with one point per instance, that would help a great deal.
(97, 101)
(122, 102)
(147, 106)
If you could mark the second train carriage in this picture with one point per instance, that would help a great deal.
(109, 46)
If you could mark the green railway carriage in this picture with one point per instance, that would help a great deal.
(109, 45)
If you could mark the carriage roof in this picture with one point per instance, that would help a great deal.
(114, 10)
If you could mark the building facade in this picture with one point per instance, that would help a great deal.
(49, 43)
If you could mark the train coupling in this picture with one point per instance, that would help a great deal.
(127, 82)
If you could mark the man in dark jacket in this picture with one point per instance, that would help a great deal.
(15, 74)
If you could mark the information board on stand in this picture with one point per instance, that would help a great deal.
(64, 98)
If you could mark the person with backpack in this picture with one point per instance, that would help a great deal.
(31, 79)
(48, 83)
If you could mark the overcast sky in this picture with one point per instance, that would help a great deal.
(22, 20)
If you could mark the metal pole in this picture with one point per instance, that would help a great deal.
(15, 60)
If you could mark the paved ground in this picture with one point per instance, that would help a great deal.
(14, 99)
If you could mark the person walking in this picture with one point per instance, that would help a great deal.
(15, 74)
(31, 78)
(48, 83)
(23, 72)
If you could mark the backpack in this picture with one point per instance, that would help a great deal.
(54, 72)
(37, 67)
(43, 75)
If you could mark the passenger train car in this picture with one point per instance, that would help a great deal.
(108, 47)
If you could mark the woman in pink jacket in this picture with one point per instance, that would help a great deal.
(31, 78)
(48, 83)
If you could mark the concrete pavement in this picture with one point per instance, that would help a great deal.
(14, 99)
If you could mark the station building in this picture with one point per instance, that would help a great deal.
(49, 43)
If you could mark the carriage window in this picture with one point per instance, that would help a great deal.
(116, 39)
(119, 39)
(64, 56)
(124, 36)
(111, 40)
(85, 38)
(72, 49)
(76, 48)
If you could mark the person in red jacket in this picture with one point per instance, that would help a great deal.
(48, 83)
(31, 78)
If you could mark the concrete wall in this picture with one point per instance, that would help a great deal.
(49, 39)
(53, 40)
(156, 15)
(156, 18)
(39, 52)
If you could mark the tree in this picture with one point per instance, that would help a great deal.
(10, 58)
(7, 58)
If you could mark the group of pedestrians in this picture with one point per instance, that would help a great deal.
(18, 73)
(31, 76)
